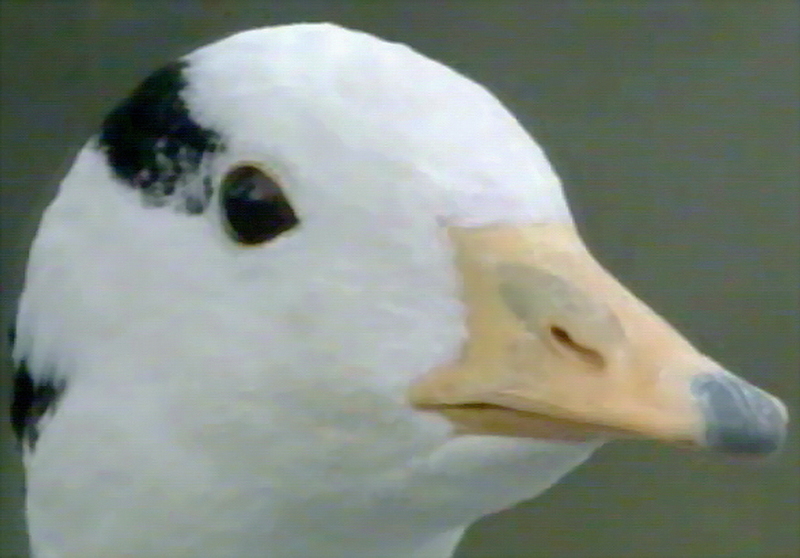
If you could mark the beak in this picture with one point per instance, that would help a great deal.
(558, 349)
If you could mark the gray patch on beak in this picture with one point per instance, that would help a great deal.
(740, 418)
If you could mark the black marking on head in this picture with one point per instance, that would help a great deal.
(31, 400)
(153, 144)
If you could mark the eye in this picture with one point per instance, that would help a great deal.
(254, 206)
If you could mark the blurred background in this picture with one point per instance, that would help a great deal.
(674, 125)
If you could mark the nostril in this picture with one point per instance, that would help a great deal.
(564, 339)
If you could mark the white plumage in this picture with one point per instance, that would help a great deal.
(221, 400)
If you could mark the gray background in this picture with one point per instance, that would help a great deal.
(675, 128)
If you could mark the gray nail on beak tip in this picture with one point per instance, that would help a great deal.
(740, 418)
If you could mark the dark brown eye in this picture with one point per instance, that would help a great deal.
(254, 206)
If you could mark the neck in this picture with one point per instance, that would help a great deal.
(423, 508)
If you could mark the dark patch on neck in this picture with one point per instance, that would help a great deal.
(153, 144)
(32, 399)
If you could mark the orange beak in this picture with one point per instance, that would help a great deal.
(559, 349)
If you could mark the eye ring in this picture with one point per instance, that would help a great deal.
(255, 208)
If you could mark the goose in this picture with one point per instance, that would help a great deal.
(309, 293)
